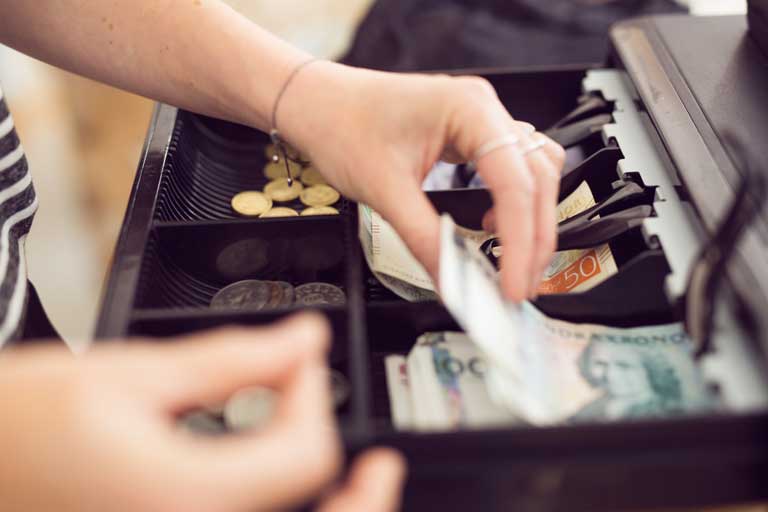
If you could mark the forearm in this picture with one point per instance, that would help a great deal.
(196, 54)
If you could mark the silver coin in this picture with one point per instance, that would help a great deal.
(340, 388)
(202, 422)
(243, 258)
(250, 409)
(276, 295)
(288, 293)
(243, 295)
(216, 410)
(320, 294)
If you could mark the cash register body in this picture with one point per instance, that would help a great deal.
(678, 84)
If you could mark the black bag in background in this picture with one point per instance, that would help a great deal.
(409, 35)
(758, 22)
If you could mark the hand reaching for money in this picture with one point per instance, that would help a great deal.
(376, 135)
(98, 432)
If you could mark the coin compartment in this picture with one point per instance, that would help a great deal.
(209, 162)
(187, 264)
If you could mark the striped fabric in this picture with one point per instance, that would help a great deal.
(18, 204)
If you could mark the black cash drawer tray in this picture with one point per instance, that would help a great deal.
(168, 265)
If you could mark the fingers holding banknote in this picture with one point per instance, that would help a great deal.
(388, 131)
(522, 170)
(545, 160)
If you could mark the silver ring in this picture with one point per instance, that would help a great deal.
(496, 144)
(539, 144)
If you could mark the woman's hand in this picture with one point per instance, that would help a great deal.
(99, 432)
(376, 135)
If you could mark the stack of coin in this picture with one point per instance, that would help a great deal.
(254, 295)
(267, 295)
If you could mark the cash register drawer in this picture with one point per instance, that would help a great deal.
(176, 249)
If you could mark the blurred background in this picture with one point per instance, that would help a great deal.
(83, 142)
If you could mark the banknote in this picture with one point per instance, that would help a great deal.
(577, 270)
(401, 288)
(392, 257)
(440, 385)
(399, 389)
(392, 262)
(604, 373)
(548, 371)
(397, 269)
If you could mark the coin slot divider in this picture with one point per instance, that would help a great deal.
(599, 170)
(542, 96)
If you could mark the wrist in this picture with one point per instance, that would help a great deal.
(314, 102)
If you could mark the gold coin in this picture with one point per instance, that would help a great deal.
(251, 203)
(276, 170)
(279, 211)
(311, 176)
(320, 195)
(279, 190)
(319, 210)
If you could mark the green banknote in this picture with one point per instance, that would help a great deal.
(547, 371)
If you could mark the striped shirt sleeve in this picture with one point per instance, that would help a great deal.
(18, 204)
